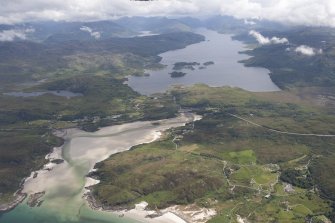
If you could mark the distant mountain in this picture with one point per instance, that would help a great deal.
(99, 30)
(229, 24)
(65, 31)
(191, 22)
(158, 24)
(129, 27)
(20, 59)
(89, 31)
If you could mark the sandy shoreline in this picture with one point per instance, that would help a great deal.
(19, 198)
(58, 161)
(173, 214)
(21, 195)
(140, 212)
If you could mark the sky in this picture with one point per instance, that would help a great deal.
(300, 12)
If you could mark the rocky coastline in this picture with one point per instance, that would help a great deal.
(19, 197)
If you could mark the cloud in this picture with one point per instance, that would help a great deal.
(96, 35)
(267, 41)
(12, 34)
(307, 12)
(249, 22)
(300, 12)
(307, 51)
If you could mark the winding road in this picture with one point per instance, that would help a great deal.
(278, 131)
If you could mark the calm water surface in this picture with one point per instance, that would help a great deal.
(65, 183)
(226, 71)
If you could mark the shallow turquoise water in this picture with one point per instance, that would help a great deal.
(64, 184)
(25, 214)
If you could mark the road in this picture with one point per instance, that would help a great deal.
(278, 131)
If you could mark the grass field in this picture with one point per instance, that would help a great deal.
(224, 159)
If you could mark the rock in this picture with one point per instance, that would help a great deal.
(57, 161)
(175, 74)
(19, 197)
(34, 200)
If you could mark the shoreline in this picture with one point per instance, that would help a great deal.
(138, 214)
(172, 214)
(19, 197)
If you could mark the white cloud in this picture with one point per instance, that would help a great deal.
(265, 40)
(277, 40)
(307, 51)
(249, 22)
(96, 35)
(12, 34)
(259, 37)
(308, 12)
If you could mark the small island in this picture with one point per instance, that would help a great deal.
(185, 65)
(57, 161)
(176, 74)
(208, 63)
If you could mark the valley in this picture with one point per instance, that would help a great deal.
(262, 151)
